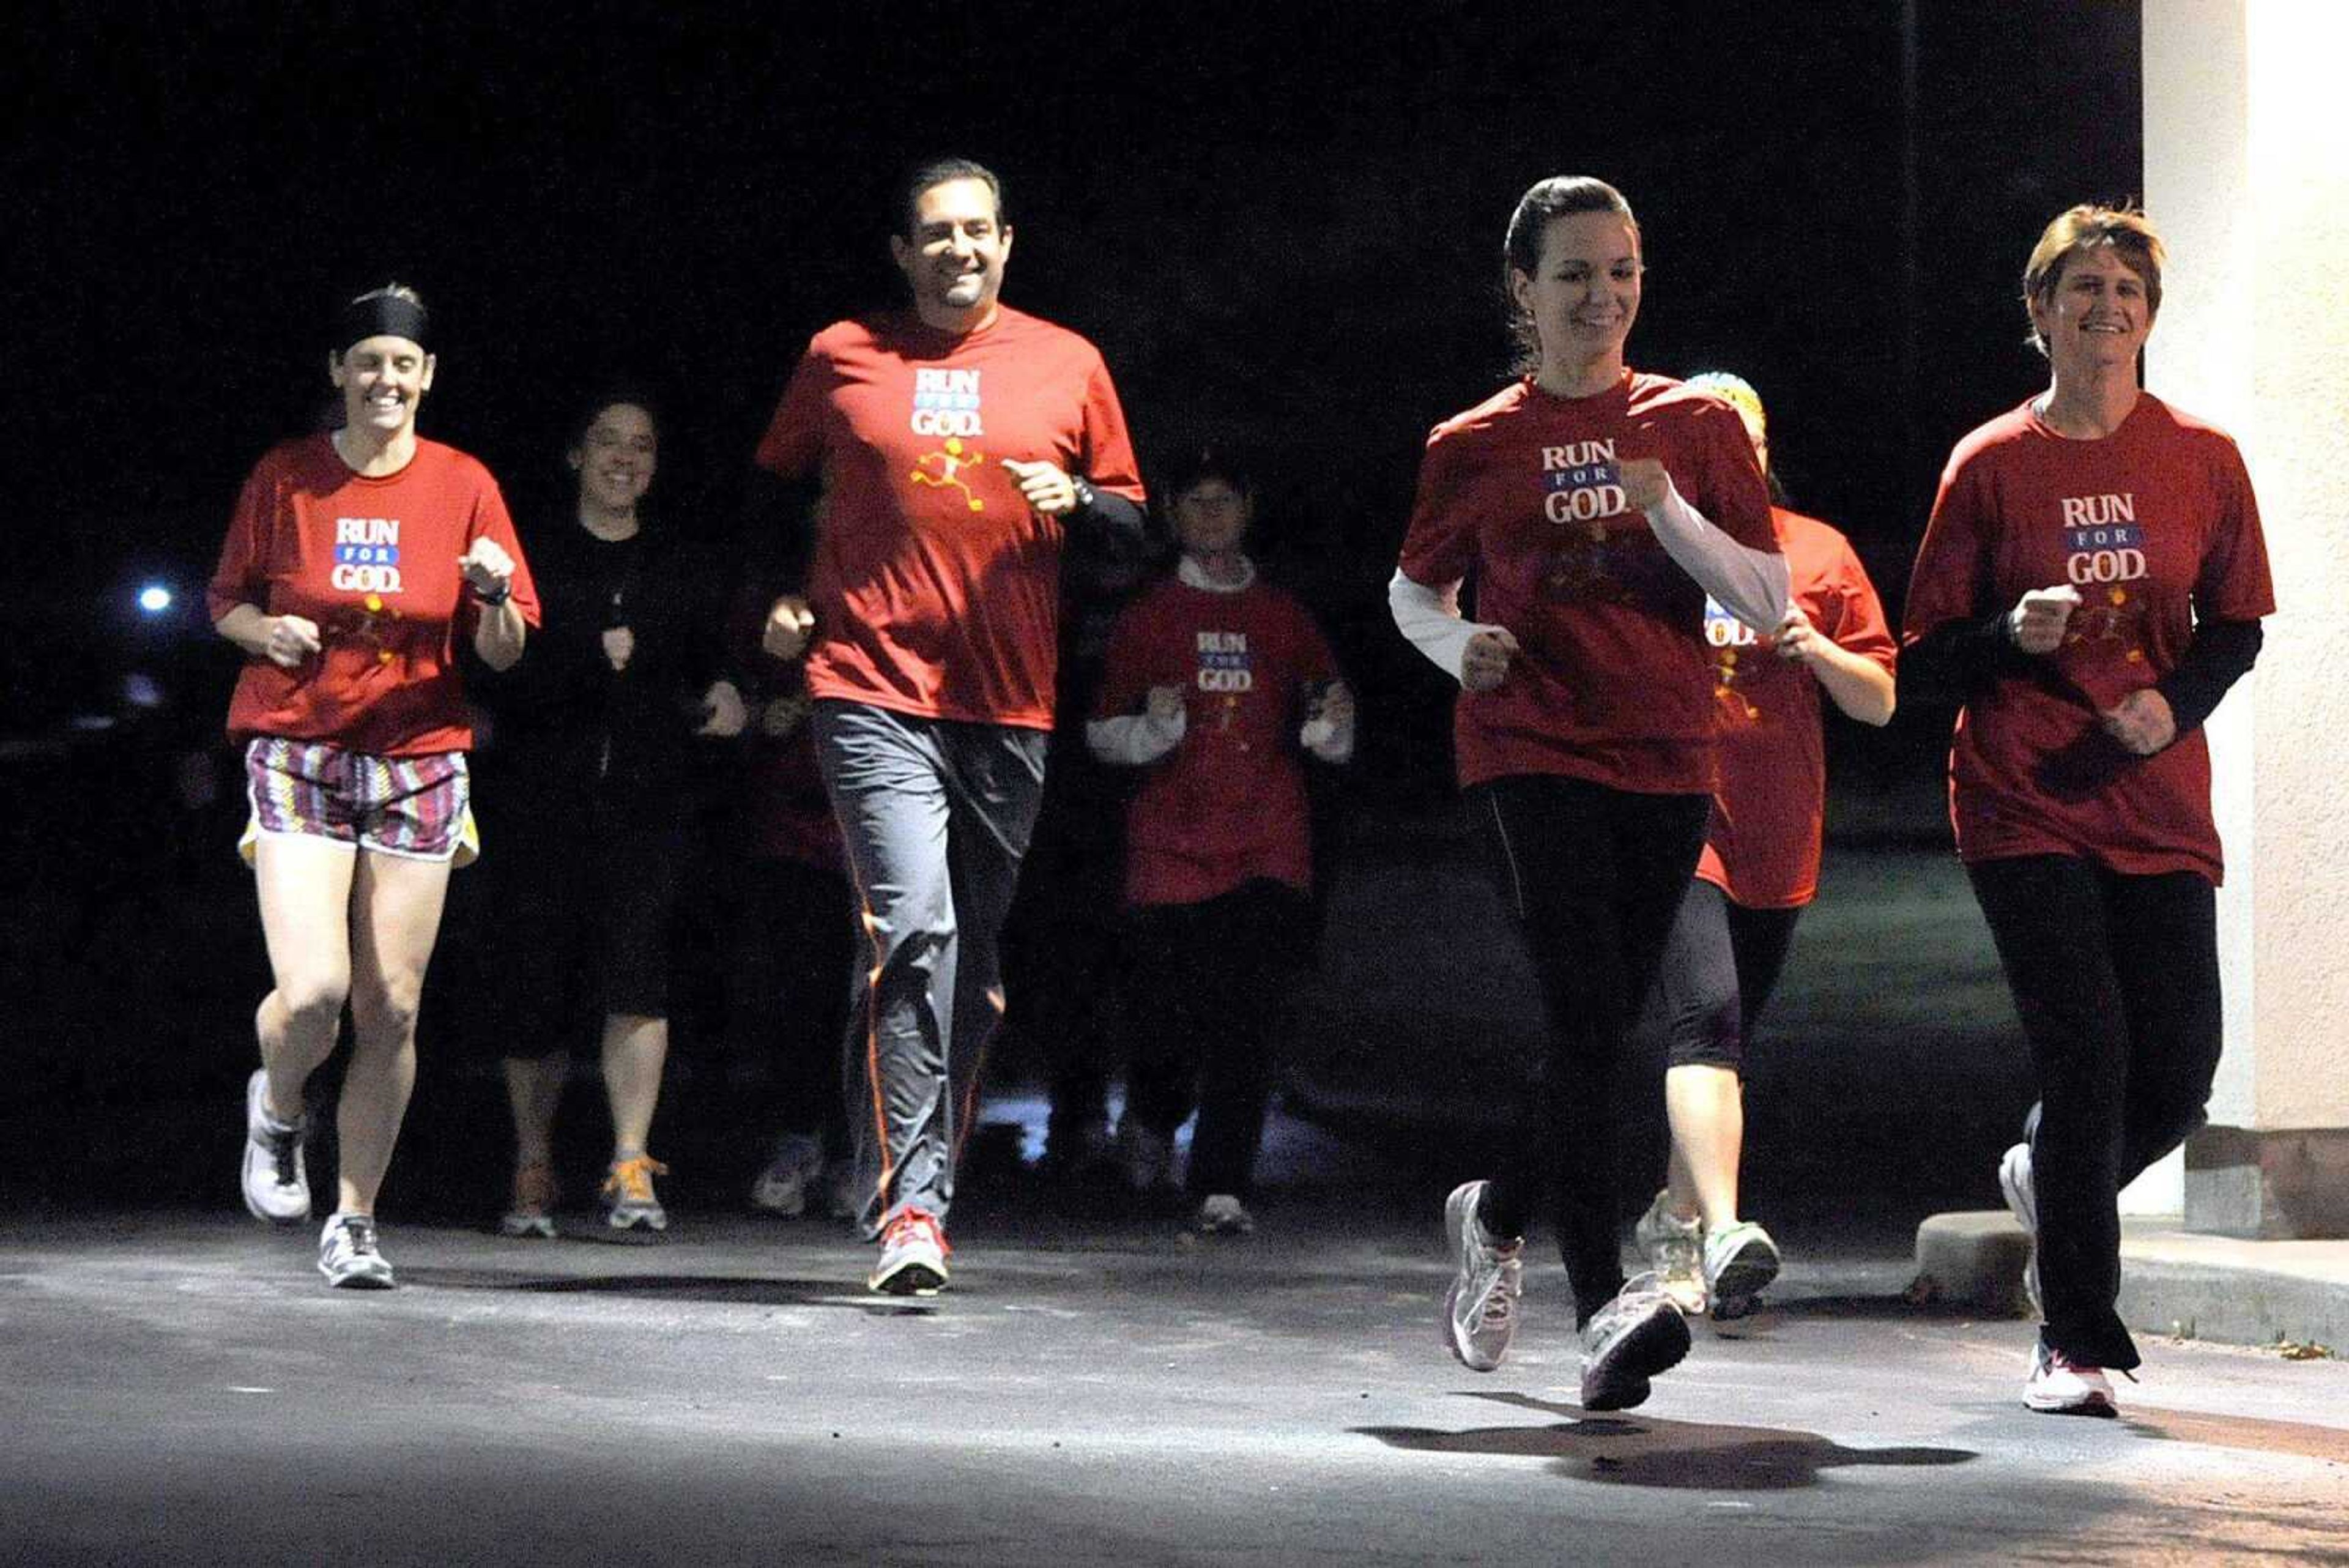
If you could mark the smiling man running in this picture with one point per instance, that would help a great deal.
(956, 444)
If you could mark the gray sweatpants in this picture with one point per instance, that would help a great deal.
(935, 816)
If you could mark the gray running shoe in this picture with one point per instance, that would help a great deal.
(1224, 1215)
(1480, 1310)
(276, 1188)
(1740, 1260)
(347, 1255)
(2022, 1202)
(1144, 1158)
(531, 1213)
(1674, 1248)
(784, 1186)
(1628, 1341)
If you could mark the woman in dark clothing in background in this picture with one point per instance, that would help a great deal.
(592, 748)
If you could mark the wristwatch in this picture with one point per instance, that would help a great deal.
(491, 601)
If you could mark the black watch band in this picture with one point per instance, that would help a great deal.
(491, 601)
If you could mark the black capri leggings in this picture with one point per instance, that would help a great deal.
(1720, 964)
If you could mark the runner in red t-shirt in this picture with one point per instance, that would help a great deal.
(1759, 868)
(1215, 683)
(955, 445)
(1594, 508)
(2090, 585)
(353, 564)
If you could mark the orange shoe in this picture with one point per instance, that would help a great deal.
(628, 1200)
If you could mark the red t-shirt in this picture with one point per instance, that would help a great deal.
(2154, 524)
(935, 588)
(374, 563)
(1769, 796)
(1612, 683)
(1228, 805)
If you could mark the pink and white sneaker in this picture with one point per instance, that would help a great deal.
(2058, 1386)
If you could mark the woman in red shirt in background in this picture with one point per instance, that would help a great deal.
(1594, 507)
(1759, 869)
(2090, 585)
(355, 562)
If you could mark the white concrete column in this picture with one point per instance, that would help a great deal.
(2247, 175)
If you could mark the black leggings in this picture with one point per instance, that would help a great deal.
(2116, 980)
(1592, 877)
(1207, 983)
(1720, 967)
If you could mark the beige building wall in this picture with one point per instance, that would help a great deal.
(2247, 173)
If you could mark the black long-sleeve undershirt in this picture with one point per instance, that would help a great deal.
(1958, 659)
(2222, 653)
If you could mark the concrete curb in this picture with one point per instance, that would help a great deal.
(2236, 1293)
(2172, 1282)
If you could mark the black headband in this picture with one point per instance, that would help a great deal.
(381, 316)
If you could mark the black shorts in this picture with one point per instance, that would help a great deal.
(573, 922)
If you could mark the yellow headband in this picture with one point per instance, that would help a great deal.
(1734, 390)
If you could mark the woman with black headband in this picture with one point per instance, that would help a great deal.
(354, 562)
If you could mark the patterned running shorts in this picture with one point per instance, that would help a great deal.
(419, 808)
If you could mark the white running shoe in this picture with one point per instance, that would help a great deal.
(2058, 1386)
(913, 1256)
(1740, 1260)
(1224, 1215)
(1674, 1248)
(531, 1211)
(1628, 1341)
(784, 1186)
(2022, 1202)
(347, 1255)
(276, 1188)
(1480, 1310)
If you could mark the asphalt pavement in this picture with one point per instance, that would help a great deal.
(184, 1389)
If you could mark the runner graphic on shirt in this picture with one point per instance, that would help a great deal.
(1728, 638)
(950, 464)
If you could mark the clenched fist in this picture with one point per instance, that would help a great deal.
(788, 627)
(1486, 662)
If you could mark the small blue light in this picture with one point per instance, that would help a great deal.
(154, 598)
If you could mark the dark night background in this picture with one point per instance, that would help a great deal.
(1280, 222)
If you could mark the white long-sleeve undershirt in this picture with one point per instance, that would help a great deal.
(1430, 620)
(1751, 584)
(1137, 740)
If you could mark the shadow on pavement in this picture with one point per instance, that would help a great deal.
(1631, 1450)
(762, 1291)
